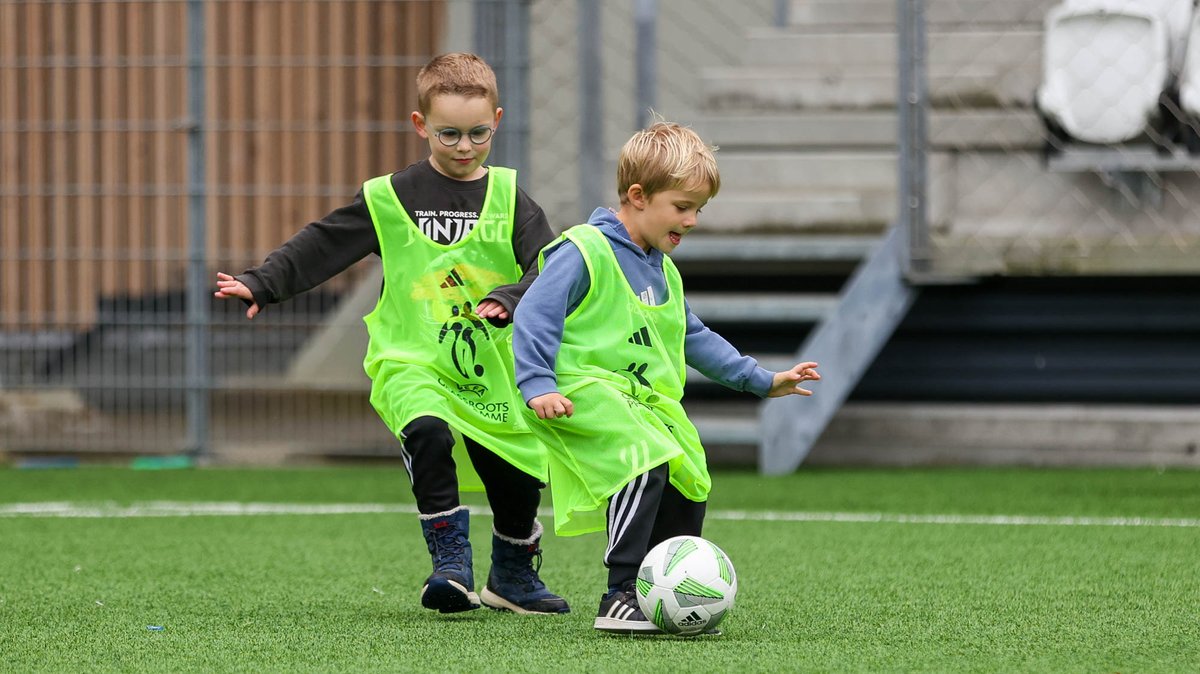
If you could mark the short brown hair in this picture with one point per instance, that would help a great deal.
(667, 156)
(456, 73)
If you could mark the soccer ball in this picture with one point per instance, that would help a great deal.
(686, 585)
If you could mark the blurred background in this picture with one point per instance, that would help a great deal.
(980, 217)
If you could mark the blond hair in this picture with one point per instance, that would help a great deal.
(456, 73)
(667, 156)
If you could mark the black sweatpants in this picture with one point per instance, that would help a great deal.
(513, 494)
(646, 512)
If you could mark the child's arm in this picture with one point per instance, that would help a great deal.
(538, 329)
(717, 359)
(319, 251)
(531, 233)
(714, 357)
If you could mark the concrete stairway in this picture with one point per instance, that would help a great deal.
(807, 127)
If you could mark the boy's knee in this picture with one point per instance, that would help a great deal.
(428, 433)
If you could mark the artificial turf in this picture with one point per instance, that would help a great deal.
(339, 592)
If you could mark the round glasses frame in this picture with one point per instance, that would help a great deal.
(478, 136)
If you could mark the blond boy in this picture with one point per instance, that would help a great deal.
(601, 342)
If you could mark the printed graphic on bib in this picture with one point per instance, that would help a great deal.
(637, 372)
(453, 280)
(640, 391)
(443, 288)
(462, 334)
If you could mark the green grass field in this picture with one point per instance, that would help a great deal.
(839, 571)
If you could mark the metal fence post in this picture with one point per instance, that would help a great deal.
(199, 375)
(591, 113)
(501, 37)
(645, 16)
(912, 107)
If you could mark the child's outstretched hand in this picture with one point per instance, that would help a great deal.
(788, 381)
(228, 286)
(492, 310)
(552, 406)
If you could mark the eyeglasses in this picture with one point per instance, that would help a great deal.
(478, 136)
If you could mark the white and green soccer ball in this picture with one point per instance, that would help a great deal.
(686, 585)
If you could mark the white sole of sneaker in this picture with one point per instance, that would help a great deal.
(615, 626)
(496, 602)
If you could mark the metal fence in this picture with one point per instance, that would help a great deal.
(147, 144)
(1024, 175)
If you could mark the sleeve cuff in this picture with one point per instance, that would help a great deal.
(538, 387)
(505, 301)
(760, 382)
(261, 297)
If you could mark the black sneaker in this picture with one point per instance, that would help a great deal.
(620, 614)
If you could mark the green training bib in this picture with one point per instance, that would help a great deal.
(429, 354)
(622, 365)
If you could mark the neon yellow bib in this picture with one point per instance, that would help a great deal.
(429, 354)
(622, 365)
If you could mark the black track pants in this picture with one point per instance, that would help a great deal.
(514, 495)
(646, 512)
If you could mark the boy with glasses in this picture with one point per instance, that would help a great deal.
(459, 242)
(601, 340)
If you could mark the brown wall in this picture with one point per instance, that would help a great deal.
(305, 99)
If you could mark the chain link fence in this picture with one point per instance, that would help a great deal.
(574, 167)
(99, 311)
(1056, 142)
(109, 343)
(304, 99)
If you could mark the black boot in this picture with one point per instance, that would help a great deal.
(513, 583)
(451, 586)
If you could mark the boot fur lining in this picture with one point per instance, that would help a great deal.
(435, 516)
(533, 538)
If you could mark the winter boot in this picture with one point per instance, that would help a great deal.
(451, 586)
(513, 583)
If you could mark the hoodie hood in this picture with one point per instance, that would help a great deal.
(612, 228)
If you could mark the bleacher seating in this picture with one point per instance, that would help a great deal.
(1106, 65)
(1176, 16)
(1189, 76)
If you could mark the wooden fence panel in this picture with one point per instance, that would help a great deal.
(304, 101)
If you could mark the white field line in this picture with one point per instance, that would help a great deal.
(188, 509)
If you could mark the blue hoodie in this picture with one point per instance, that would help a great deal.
(562, 285)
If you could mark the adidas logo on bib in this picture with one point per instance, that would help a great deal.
(641, 337)
(453, 280)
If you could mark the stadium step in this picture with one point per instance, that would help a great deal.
(829, 130)
(785, 284)
(817, 211)
(851, 15)
(779, 88)
(738, 307)
(816, 171)
(980, 434)
(878, 50)
(824, 191)
(708, 249)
